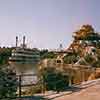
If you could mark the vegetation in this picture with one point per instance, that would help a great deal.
(88, 58)
(84, 32)
(8, 84)
(5, 53)
(70, 59)
(86, 45)
(54, 79)
(46, 54)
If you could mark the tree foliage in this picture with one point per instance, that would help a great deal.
(84, 31)
(5, 53)
(46, 54)
(54, 79)
(8, 83)
(88, 58)
(86, 42)
(71, 58)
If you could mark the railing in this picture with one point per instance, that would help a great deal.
(22, 85)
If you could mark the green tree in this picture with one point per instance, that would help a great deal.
(46, 54)
(54, 79)
(83, 32)
(5, 53)
(71, 58)
(89, 58)
(8, 84)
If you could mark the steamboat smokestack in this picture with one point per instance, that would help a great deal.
(16, 41)
(23, 41)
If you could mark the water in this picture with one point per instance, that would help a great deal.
(27, 71)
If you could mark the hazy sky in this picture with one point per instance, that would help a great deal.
(46, 23)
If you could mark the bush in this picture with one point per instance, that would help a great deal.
(46, 54)
(69, 59)
(54, 79)
(8, 83)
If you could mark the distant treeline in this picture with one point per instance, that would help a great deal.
(5, 53)
(46, 54)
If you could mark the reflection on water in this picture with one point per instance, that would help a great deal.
(29, 80)
(26, 69)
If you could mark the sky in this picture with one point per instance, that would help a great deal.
(45, 23)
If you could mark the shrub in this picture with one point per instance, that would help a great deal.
(8, 83)
(54, 79)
